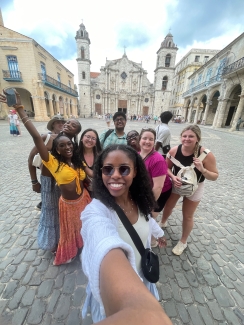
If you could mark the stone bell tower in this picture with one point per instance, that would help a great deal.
(164, 73)
(84, 64)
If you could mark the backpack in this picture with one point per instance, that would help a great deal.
(188, 176)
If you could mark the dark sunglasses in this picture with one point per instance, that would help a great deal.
(109, 170)
(132, 136)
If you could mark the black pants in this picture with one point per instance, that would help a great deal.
(162, 200)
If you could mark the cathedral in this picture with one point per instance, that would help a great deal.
(122, 85)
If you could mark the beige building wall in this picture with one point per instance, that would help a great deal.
(41, 100)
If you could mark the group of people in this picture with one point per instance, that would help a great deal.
(14, 124)
(83, 182)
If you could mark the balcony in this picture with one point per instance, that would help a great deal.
(51, 82)
(12, 75)
(235, 66)
(204, 85)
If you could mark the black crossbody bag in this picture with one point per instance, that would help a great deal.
(149, 260)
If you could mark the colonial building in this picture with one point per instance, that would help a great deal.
(121, 84)
(191, 62)
(215, 94)
(45, 85)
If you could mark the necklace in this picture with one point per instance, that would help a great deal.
(127, 212)
(149, 154)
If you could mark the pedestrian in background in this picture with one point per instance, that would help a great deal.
(163, 135)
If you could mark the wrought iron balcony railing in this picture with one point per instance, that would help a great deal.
(12, 75)
(203, 85)
(51, 82)
(234, 66)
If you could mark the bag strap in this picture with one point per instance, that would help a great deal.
(130, 229)
(107, 134)
(178, 164)
(47, 139)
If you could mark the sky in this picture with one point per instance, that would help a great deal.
(140, 26)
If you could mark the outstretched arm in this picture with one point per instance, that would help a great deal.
(131, 303)
(29, 126)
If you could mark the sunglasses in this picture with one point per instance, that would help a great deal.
(109, 170)
(132, 136)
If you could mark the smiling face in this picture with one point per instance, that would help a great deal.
(147, 141)
(189, 139)
(118, 185)
(72, 127)
(65, 147)
(57, 126)
(89, 139)
(133, 139)
(119, 123)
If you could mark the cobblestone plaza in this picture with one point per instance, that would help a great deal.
(205, 285)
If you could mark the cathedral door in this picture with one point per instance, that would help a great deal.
(122, 106)
(98, 109)
(145, 110)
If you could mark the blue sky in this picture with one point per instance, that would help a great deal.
(140, 26)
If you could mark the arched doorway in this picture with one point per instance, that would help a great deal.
(46, 95)
(26, 100)
(54, 104)
(71, 108)
(61, 105)
(234, 101)
(202, 107)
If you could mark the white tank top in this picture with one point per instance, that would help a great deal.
(142, 228)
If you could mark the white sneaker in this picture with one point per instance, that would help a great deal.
(179, 248)
(163, 224)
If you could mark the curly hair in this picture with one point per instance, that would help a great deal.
(75, 159)
(96, 149)
(140, 188)
(194, 128)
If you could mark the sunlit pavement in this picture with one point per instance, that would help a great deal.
(205, 285)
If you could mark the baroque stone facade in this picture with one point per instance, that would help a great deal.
(45, 85)
(215, 95)
(121, 84)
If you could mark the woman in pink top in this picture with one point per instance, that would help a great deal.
(157, 169)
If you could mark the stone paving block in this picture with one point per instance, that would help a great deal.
(216, 268)
(37, 311)
(28, 275)
(191, 258)
(5, 263)
(22, 241)
(47, 319)
(169, 271)
(62, 309)
(19, 316)
(215, 310)
(226, 281)
(4, 253)
(170, 308)
(37, 261)
(60, 280)
(198, 295)
(208, 293)
(223, 297)
(206, 315)
(175, 290)
(69, 284)
(74, 317)
(53, 300)
(218, 260)
(14, 302)
(3, 304)
(211, 278)
(10, 289)
(187, 296)
(183, 313)
(238, 298)
(30, 256)
(239, 287)
(181, 279)
(19, 257)
(195, 316)
(240, 256)
(80, 294)
(43, 266)
(191, 278)
(2, 286)
(165, 259)
(20, 272)
(162, 274)
(45, 288)
(51, 273)
(8, 273)
(203, 264)
(6, 318)
(232, 319)
(28, 297)
(239, 314)
(35, 280)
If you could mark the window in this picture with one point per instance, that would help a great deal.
(43, 69)
(58, 76)
(82, 52)
(69, 84)
(197, 58)
(169, 44)
(206, 58)
(167, 60)
(164, 83)
(13, 66)
(199, 79)
(83, 75)
(209, 72)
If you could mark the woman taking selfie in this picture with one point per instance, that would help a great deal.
(120, 179)
(65, 166)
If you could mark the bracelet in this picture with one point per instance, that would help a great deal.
(35, 183)
(24, 117)
(26, 121)
(19, 106)
(34, 180)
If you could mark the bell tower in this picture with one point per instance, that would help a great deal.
(84, 64)
(164, 73)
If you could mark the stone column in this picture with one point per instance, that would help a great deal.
(92, 105)
(51, 107)
(206, 112)
(238, 113)
(40, 108)
(221, 112)
(189, 114)
(196, 115)
(109, 102)
(217, 112)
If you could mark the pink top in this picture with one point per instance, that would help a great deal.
(157, 166)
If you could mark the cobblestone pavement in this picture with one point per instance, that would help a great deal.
(205, 285)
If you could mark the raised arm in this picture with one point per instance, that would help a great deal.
(131, 303)
(29, 126)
